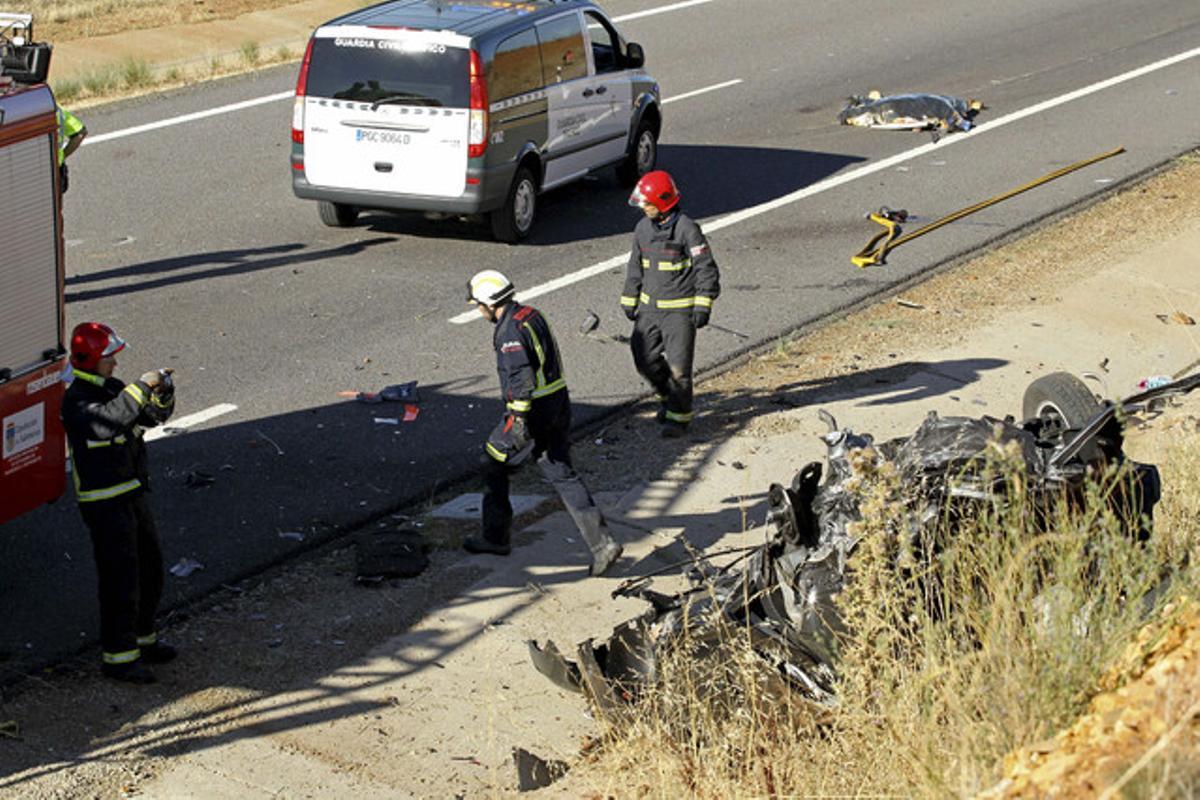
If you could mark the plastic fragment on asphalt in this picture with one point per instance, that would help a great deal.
(1181, 318)
(387, 421)
(10, 729)
(411, 412)
(185, 567)
(293, 535)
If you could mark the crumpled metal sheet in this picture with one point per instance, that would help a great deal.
(784, 592)
(914, 112)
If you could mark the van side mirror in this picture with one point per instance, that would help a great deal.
(634, 55)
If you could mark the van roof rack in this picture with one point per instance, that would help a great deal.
(16, 29)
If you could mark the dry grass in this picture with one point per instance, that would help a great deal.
(55, 20)
(951, 662)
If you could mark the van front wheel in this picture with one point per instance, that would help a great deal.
(337, 215)
(513, 221)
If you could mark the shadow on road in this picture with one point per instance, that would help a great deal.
(713, 180)
(177, 270)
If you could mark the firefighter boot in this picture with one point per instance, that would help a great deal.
(605, 549)
(131, 672)
(481, 544)
(158, 652)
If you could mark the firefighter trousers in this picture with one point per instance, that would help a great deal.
(664, 346)
(552, 450)
(130, 572)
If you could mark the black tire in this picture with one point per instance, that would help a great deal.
(337, 215)
(642, 156)
(513, 221)
(1060, 397)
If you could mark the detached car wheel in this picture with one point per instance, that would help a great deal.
(337, 215)
(641, 158)
(1062, 398)
(513, 221)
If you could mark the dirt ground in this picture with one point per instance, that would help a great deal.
(79, 736)
(58, 21)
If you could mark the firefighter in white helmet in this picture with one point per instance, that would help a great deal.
(536, 423)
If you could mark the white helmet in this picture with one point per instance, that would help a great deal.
(490, 288)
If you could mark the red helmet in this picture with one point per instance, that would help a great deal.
(657, 189)
(92, 341)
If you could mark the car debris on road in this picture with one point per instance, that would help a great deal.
(917, 111)
(784, 592)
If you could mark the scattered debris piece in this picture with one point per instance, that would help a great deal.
(396, 553)
(411, 412)
(185, 567)
(910, 112)
(534, 772)
(400, 392)
(784, 592)
(295, 536)
(590, 322)
(266, 438)
(387, 421)
(900, 301)
(198, 480)
(1153, 382)
(11, 729)
(1104, 364)
(738, 465)
(1180, 318)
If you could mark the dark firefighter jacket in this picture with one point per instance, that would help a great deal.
(104, 418)
(671, 266)
(527, 359)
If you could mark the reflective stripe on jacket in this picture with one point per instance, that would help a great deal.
(527, 358)
(671, 266)
(68, 126)
(103, 418)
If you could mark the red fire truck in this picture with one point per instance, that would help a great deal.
(32, 317)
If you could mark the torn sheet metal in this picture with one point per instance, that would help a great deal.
(910, 112)
(784, 592)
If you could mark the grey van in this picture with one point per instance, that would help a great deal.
(468, 107)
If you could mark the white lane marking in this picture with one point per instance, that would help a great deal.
(177, 426)
(695, 92)
(861, 172)
(272, 98)
(166, 123)
(660, 10)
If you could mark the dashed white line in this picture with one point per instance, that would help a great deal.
(649, 12)
(705, 90)
(180, 425)
(853, 175)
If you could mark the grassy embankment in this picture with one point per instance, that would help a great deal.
(56, 21)
(950, 662)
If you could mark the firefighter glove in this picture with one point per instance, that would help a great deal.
(700, 317)
(630, 312)
(152, 379)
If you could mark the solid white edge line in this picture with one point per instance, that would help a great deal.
(660, 10)
(166, 123)
(271, 98)
(177, 426)
(705, 90)
(861, 172)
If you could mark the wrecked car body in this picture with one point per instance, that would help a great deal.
(911, 112)
(784, 592)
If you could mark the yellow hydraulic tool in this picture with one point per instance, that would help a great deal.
(877, 249)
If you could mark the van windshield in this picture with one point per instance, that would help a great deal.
(390, 72)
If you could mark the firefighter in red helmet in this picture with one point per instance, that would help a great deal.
(104, 418)
(670, 285)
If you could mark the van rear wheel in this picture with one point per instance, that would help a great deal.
(513, 221)
(337, 215)
(642, 156)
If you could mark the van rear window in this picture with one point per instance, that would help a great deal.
(374, 70)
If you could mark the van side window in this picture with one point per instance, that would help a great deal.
(606, 44)
(516, 67)
(563, 54)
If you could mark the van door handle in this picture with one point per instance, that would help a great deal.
(602, 90)
(588, 93)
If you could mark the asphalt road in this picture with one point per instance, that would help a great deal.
(188, 240)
